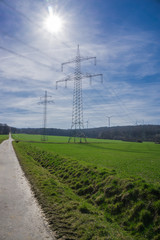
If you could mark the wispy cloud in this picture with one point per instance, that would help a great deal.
(30, 60)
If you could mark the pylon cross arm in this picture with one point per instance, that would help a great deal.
(47, 101)
(93, 75)
(50, 101)
(88, 58)
(72, 61)
(69, 78)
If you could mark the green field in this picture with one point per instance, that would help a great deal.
(127, 158)
(52, 139)
(3, 137)
(99, 190)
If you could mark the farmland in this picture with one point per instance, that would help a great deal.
(3, 137)
(127, 158)
(112, 187)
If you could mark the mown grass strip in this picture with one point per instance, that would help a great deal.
(72, 216)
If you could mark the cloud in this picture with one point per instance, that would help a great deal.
(30, 63)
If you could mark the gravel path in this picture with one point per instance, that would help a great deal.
(20, 215)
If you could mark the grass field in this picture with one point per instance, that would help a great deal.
(52, 139)
(127, 158)
(3, 137)
(99, 190)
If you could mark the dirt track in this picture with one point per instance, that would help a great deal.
(20, 215)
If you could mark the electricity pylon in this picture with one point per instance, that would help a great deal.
(45, 102)
(109, 120)
(87, 122)
(77, 112)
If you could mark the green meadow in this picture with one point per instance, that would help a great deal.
(126, 158)
(101, 190)
(3, 137)
(50, 139)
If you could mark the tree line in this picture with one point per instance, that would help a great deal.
(137, 133)
(4, 129)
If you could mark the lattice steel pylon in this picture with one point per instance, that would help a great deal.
(45, 102)
(77, 112)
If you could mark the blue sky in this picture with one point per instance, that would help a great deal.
(124, 36)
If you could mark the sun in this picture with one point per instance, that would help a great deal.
(53, 23)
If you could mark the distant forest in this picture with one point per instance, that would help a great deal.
(137, 133)
(4, 129)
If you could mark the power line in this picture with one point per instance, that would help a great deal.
(122, 105)
(28, 45)
(14, 9)
(25, 57)
(118, 102)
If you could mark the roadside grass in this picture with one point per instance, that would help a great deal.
(105, 205)
(3, 137)
(70, 215)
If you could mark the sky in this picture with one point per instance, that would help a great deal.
(124, 36)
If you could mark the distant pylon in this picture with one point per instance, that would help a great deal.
(87, 122)
(109, 120)
(45, 102)
(77, 112)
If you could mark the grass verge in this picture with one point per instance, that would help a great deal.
(3, 137)
(83, 202)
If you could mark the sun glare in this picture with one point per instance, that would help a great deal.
(53, 23)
